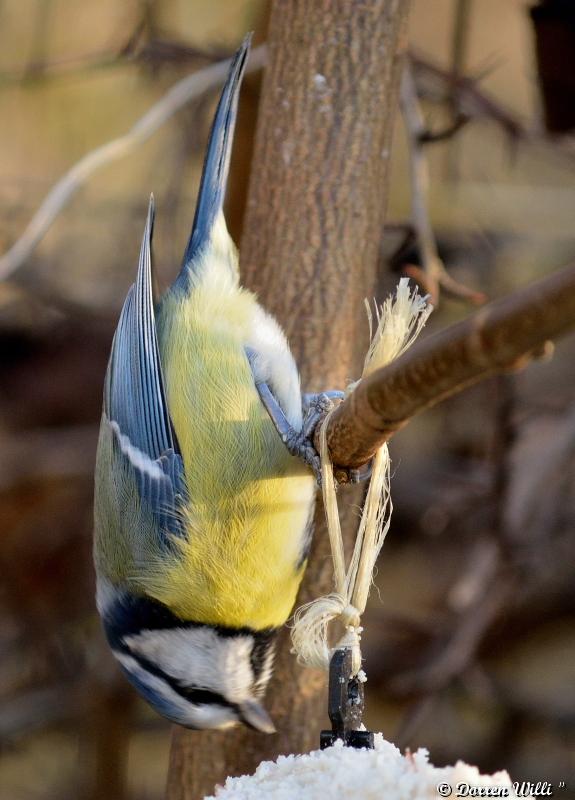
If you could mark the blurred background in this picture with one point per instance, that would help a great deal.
(470, 639)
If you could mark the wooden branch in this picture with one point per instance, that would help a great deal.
(312, 233)
(182, 92)
(502, 336)
(434, 275)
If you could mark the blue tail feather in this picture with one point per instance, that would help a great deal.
(216, 165)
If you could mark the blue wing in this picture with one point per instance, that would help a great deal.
(135, 399)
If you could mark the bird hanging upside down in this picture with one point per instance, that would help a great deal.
(203, 499)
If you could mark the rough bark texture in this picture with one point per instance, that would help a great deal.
(503, 336)
(310, 248)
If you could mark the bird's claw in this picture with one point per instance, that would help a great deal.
(300, 443)
(316, 406)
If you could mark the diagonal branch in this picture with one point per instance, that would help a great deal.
(502, 336)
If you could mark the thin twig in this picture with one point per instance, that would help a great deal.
(181, 93)
(448, 132)
(459, 47)
(435, 274)
(502, 336)
(460, 650)
(460, 37)
(440, 85)
(156, 51)
(472, 102)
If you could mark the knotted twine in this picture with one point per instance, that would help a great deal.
(399, 322)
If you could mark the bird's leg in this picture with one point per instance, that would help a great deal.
(298, 443)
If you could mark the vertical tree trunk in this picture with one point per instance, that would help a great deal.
(312, 233)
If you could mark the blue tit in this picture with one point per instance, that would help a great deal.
(203, 505)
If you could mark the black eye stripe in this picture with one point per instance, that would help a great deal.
(131, 616)
(202, 697)
(260, 650)
(192, 694)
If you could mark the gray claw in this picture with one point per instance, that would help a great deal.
(315, 407)
(300, 445)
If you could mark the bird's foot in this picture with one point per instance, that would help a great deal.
(301, 443)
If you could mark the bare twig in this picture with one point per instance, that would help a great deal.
(181, 93)
(431, 137)
(536, 497)
(454, 656)
(459, 47)
(434, 273)
(489, 584)
(502, 336)
(472, 102)
(409, 725)
(155, 52)
(459, 652)
(460, 37)
(442, 86)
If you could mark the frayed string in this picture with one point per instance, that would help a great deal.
(399, 322)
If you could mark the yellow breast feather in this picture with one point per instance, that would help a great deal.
(239, 563)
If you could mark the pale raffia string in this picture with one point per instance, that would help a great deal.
(399, 322)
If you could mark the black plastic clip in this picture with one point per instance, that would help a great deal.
(345, 705)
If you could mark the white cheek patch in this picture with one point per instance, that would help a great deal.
(199, 657)
(206, 716)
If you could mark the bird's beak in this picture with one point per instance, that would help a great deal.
(255, 715)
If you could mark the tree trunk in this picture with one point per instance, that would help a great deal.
(312, 234)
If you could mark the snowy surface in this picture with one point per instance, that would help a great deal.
(341, 773)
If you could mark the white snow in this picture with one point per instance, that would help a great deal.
(347, 774)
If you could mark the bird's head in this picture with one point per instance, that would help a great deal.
(199, 676)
